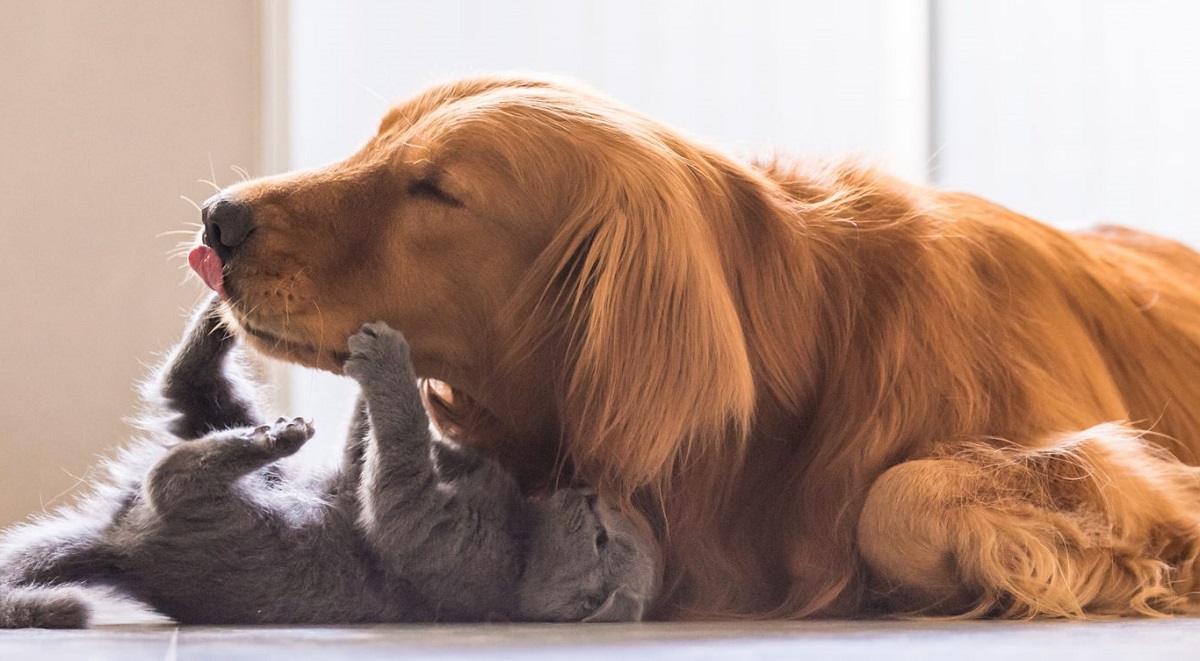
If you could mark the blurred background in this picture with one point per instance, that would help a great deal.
(116, 116)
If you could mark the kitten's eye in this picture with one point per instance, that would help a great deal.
(601, 538)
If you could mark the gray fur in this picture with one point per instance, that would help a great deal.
(210, 531)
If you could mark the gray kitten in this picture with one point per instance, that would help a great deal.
(407, 529)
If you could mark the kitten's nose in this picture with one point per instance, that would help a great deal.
(227, 223)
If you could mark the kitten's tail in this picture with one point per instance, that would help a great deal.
(38, 564)
(43, 608)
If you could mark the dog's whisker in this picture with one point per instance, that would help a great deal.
(192, 202)
(175, 232)
(212, 174)
(287, 312)
(254, 309)
(320, 324)
(559, 465)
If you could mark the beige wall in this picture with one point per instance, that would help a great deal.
(109, 111)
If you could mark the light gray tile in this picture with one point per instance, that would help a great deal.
(925, 641)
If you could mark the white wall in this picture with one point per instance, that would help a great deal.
(805, 76)
(108, 113)
(1073, 111)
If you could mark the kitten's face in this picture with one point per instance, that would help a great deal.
(586, 562)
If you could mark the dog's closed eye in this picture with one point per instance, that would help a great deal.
(430, 190)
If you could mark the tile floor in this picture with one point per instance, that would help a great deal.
(130, 636)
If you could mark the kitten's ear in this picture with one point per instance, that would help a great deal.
(621, 606)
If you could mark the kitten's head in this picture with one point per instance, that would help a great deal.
(586, 562)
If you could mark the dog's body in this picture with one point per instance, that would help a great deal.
(205, 528)
(830, 391)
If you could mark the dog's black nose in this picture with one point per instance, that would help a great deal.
(227, 223)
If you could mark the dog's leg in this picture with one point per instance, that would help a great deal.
(195, 477)
(1098, 521)
(453, 540)
(203, 382)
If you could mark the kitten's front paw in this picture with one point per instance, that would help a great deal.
(378, 351)
(284, 437)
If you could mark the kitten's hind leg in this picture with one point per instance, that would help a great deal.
(193, 476)
(43, 608)
(203, 382)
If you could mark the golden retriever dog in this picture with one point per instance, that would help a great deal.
(829, 392)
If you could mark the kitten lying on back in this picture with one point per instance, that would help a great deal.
(210, 531)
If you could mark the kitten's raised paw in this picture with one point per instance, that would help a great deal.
(43, 608)
(284, 437)
(377, 350)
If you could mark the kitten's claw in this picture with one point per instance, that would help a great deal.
(284, 437)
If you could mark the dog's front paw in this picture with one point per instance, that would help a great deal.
(378, 352)
(285, 437)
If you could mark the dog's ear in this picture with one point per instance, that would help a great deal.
(657, 371)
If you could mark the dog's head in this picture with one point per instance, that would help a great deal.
(559, 260)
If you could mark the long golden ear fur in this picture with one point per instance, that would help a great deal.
(658, 372)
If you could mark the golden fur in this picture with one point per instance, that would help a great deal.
(829, 391)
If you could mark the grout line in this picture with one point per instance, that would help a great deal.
(173, 647)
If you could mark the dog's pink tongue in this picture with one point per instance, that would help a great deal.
(207, 265)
